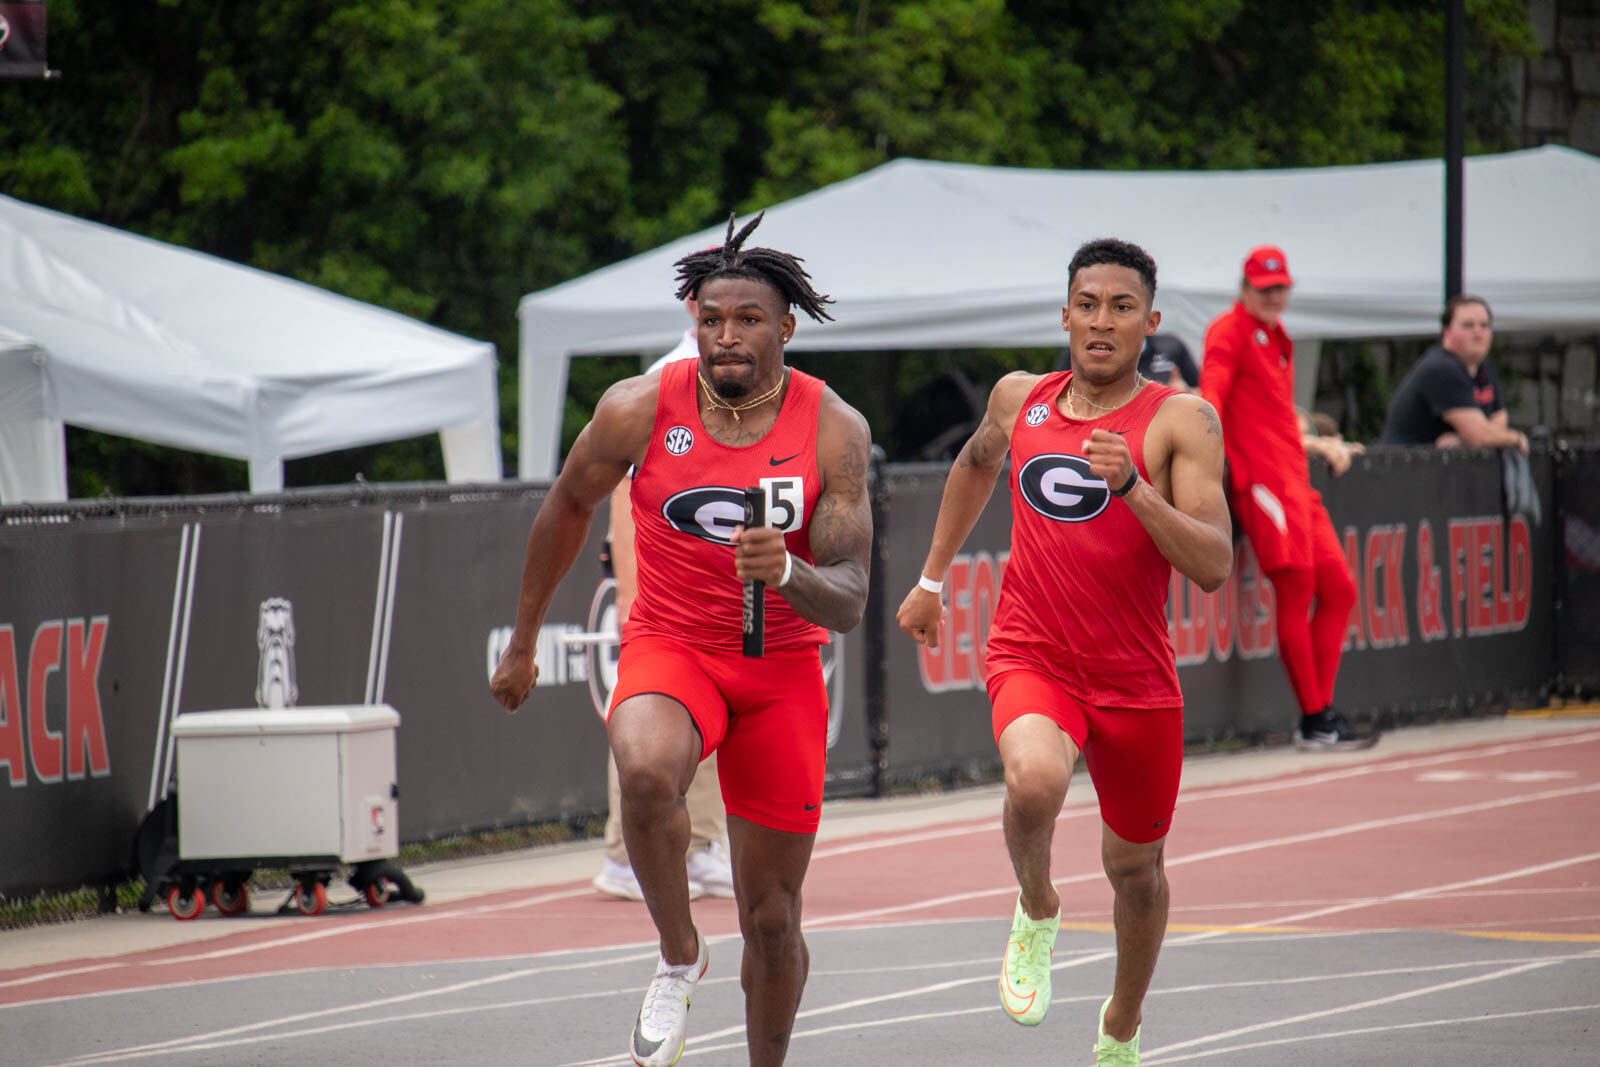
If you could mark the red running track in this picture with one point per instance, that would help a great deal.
(1498, 840)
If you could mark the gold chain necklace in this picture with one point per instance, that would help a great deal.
(1073, 394)
(718, 402)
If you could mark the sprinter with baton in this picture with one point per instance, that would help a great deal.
(698, 433)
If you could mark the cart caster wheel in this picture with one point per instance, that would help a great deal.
(377, 894)
(310, 899)
(186, 905)
(231, 900)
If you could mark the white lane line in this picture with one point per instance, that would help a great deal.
(384, 924)
(936, 835)
(1203, 793)
(1419, 894)
(1192, 939)
(32, 978)
(312, 935)
(824, 1030)
(1364, 1005)
(208, 1046)
(162, 1048)
(1295, 779)
(695, 1045)
(1365, 1030)
(1223, 852)
(210, 1042)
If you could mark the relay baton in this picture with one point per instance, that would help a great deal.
(755, 593)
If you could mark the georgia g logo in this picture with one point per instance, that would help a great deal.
(710, 512)
(1061, 488)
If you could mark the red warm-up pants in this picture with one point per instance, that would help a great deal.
(1294, 540)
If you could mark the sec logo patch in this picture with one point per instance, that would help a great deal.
(679, 440)
(1037, 414)
(1061, 488)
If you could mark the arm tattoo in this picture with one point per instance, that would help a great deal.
(834, 593)
(980, 450)
(1213, 424)
(836, 531)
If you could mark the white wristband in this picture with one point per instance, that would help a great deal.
(924, 582)
(788, 569)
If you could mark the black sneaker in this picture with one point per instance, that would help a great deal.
(1329, 731)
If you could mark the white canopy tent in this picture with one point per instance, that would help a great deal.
(948, 255)
(126, 335)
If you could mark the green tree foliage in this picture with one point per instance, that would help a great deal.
(444, 157)
(438, 157)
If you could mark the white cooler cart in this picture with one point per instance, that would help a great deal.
(306, 788)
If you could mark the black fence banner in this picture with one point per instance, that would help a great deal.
(117, 616)
(113, 624)
(22, 39)
(1578, 589)
(1454, 611)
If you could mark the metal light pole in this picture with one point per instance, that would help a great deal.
(1454, 137)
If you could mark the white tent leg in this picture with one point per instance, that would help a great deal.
(543, 395)
(266, 474)
(33, 461)
(1307, 355)
(472, 451)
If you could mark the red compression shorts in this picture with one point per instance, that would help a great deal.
(1134, 755)
(767, 717)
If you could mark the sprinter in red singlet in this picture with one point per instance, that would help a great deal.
(698, 432)
(1114, 481)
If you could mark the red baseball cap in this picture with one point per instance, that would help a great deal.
(1266, 266)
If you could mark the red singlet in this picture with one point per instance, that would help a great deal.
(1084, 597)
(688, 495)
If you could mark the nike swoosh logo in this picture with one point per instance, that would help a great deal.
(809, 807)
(1006, 999)
(776, 462)
(642, 1045)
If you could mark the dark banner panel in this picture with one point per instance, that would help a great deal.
(935, 702)
(113, 624)
(22, 39)
(468, 764)
(1454, 588)
(1578, 545)
(85, 619)
(117, 616)
(1454, 610)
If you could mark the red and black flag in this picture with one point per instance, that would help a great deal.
(22, 39)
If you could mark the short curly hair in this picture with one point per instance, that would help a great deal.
(1119, 253)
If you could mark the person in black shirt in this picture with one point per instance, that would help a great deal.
(1452, 397)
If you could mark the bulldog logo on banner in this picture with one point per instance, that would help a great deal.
(22, 39)
(275, 681)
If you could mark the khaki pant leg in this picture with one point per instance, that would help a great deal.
(708, 818)
(616, 849)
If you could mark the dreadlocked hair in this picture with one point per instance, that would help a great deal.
(777, 269)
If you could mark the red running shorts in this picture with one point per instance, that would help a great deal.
(1134, 755)
(767, 717)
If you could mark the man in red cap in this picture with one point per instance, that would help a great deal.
(1247, 374)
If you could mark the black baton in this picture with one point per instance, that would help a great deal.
(755, 593)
